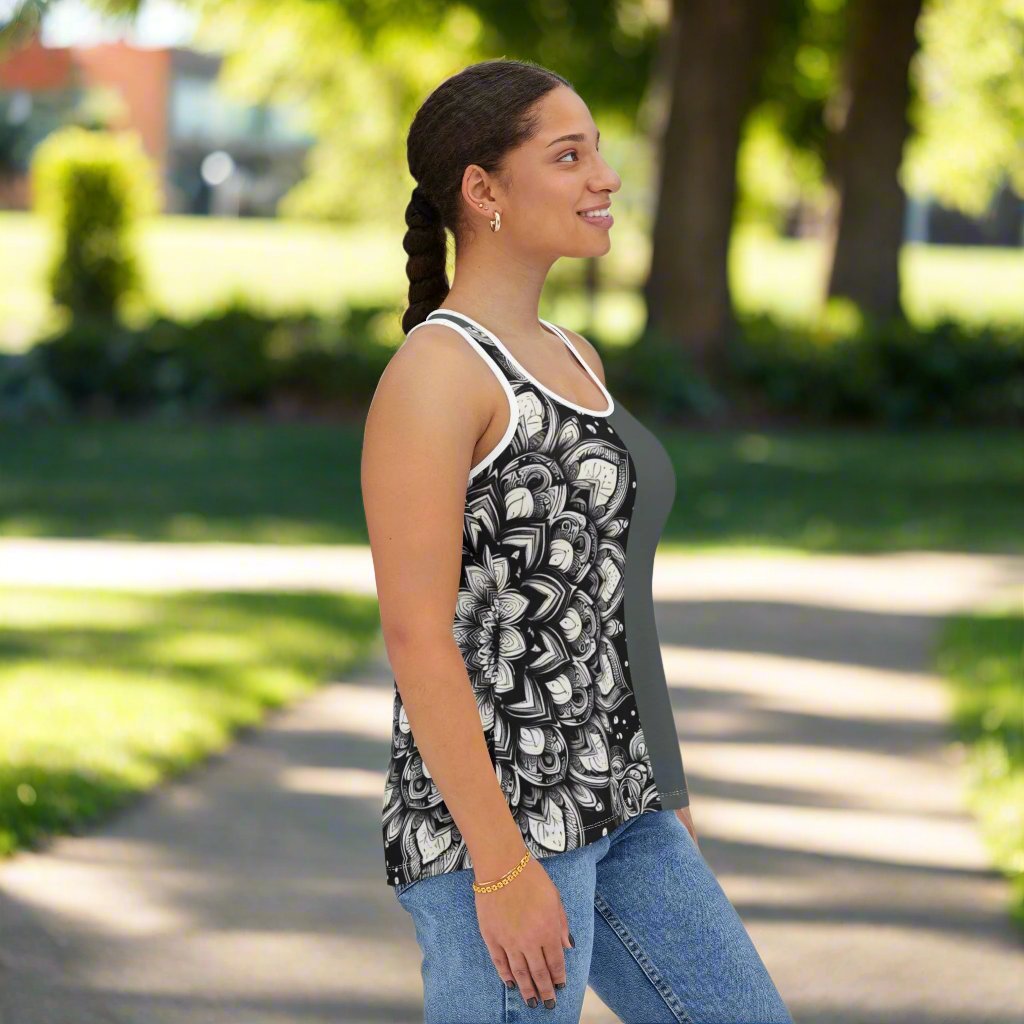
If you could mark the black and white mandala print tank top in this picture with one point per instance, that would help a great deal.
(555, 621)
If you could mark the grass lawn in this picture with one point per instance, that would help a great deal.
(982, 656)
(103, 694)
(192, 263)
(815, 491)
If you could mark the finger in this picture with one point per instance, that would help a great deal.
(555, 959)
(501, 965)
(541, 975)
(522, 976)
(567, 936)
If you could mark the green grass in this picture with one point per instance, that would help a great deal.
(192, 263)
(846, 491)
(103, 695)
(972, 284)
(245, 481)
(250, 481)
(982, 657)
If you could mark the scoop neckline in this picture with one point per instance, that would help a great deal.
(529, 376)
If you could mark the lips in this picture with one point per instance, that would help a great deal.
(605, 220)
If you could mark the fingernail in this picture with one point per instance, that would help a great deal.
(559, 984)
(572, 941)
(531, 1002)
(510, 984)
(549, 1003)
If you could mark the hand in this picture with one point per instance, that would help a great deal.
(525, 929)
(683, 814)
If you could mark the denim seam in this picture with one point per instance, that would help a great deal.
(662, 987)
(403, 887)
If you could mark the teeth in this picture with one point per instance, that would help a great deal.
(597, 213)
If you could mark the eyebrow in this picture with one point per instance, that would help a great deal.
(575, 137)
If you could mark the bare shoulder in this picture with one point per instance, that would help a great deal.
(437, 360)
(432, 403)
(588, 351)
(435, 346)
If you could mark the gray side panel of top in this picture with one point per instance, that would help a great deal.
(655, 494)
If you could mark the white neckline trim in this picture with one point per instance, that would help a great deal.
(513, 405)
(529, 376)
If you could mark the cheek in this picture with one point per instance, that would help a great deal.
(548, 221)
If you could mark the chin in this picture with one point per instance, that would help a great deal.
(598, 248)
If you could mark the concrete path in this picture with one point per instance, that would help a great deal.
(825, 791)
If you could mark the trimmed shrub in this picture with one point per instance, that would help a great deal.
(92, 186)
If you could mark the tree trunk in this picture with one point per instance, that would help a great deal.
(712, 67)
(866, 154)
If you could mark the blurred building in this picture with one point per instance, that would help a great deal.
(214, 155)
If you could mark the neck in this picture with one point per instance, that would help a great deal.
(499, 289)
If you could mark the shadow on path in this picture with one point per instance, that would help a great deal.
(825, 791)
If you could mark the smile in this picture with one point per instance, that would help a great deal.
(599, 218)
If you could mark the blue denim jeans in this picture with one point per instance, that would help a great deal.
(656, 938)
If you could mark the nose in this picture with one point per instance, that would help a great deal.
(607, 180)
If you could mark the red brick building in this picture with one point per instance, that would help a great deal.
(168, 95)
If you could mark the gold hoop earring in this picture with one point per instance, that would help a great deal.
(496, 223)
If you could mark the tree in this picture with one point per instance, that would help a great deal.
(714, 51)
(968, 112)
(867, 151)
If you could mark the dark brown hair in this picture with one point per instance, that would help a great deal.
(475, 117)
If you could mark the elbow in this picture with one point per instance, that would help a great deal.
(407, 641)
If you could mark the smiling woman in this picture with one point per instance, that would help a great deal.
(535, 813)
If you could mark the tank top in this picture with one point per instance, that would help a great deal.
(555, 621)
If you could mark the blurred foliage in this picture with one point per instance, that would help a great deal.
(235, 357)
(93, 186)
(361, 70)
(966, 108)
(843, 369)
(781, 162)
(969, 118)
(982, 658)
(849, 368)
(24, 20)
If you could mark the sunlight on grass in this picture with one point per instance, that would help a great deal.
(104, 694)
(982, 657)
(281, 266)
(738, 490)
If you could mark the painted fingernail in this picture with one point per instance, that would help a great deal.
(531, 1002)
(572, 941)
(510, 984)
(549, 1003)
(559, 984)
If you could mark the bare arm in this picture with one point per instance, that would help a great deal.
(432, 403)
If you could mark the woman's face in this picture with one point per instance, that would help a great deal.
(554, 178)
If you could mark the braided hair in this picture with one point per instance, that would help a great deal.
(475, 117)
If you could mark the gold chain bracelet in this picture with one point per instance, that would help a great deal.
(504, 880)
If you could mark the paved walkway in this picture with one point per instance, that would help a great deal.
(825, 791)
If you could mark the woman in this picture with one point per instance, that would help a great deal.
(513, 509)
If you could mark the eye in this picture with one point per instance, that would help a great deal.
(566, 153)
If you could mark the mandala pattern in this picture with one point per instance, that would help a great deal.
(540, 623)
